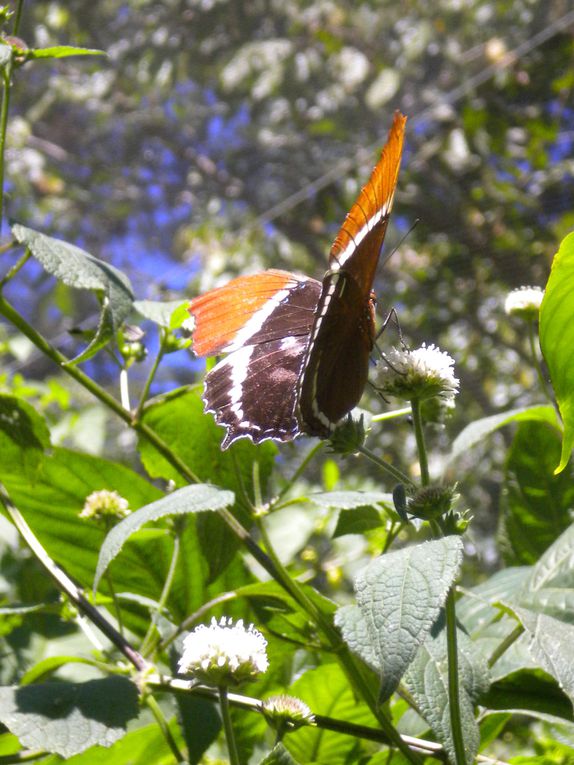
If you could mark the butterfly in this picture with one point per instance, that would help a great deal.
(297, 348)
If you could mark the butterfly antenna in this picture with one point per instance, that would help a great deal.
(392, 314)
(408, 233)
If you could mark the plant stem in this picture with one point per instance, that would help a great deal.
(349, 664)
(453, 680)
(451, 642)
(6, 77)
(177, 685)
(384, 416)
(15, 268)
(300, 470)
(28, 755)
(65, 583)
(228, 727)
(397, 474)
(505, 644)
(125, 389)
(117, 609)
(420, 439)
(155, 709)
(18, 17)
(151, 375)
(147, 643)
(193, 618)
(536, 361)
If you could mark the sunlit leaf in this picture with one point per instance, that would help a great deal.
(347, 500)
(67, 718)
(62, 51)
(536, 503)
(197, 498)
(399, 597)
(554, 569)
(557, 338)
(80, 270)
(357, 521)
(158, 311)
(195, 438)
(477, 431)
(52, 506)
(552, 645)
(326, 691)
(141, 746)
(530, 692)
(427, 680)
(24, 437)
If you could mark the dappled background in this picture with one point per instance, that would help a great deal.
(219, 138)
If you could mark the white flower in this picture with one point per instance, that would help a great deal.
(423, 373)
(287, 712)
(104, 503)
(224, 653)
(524, 302)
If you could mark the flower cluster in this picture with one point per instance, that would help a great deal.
(104, 504)
(524, 302)
(422, 373)
(287, 713)
(224, 653)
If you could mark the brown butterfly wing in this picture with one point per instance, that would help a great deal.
(337, 360)
(358, 244)
(263, 322)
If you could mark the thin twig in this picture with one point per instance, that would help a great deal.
(67, 585)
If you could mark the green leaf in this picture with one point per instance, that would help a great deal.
(80, 270)
(69, 718)
(399, 597)
(24, 437)
(63, 51)
(47, 667)
(159, 311)
(280, 614)
(142, 746)
(480, 612)
(359, 511)
(427, 681)
(516, 657)
(180, 315)
(348, 500)
(326, 691)
(357, 521)
(195, 438)
(550, 588)
(530, 692)
(557, 339)
(200, 723)
(278, 756)
(198, 498)
(536, 502)
(52, 505)
(478, 430)
(552, 645)
(104, 333)
(475, 608)
(554, 569)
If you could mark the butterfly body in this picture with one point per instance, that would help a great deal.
(298, 349)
